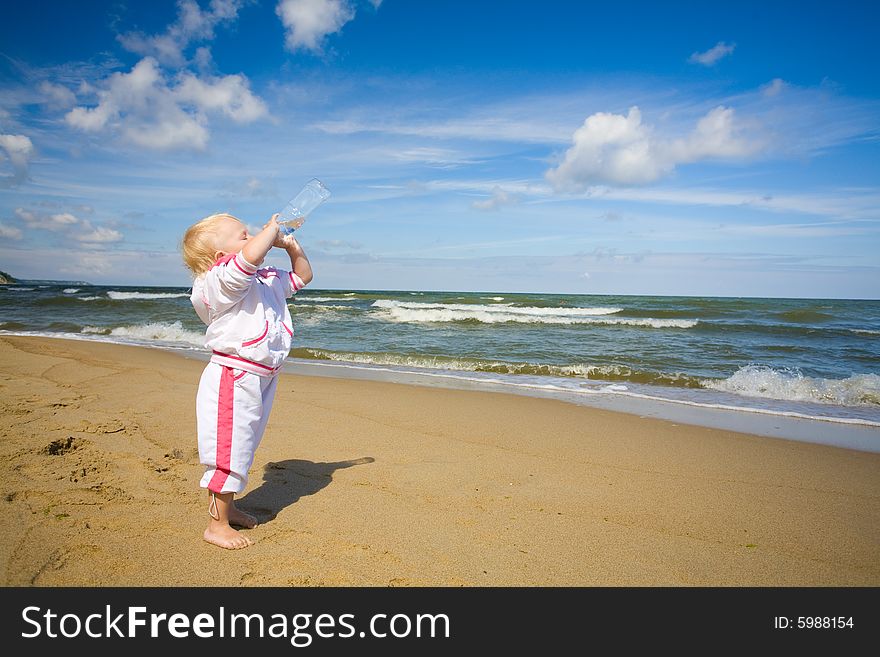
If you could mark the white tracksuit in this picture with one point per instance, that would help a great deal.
(250, 333)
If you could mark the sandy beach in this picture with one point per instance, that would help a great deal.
(373, 483)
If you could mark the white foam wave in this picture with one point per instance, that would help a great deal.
(70, 290)
(792, 385)
(21, 289)
(467, 364)
(404, 311)
(123, 296)
(318, 299)
(89, 298)
(327, 307)
(865, 331)
(493, 298)
(463, 364)
(495, 308)
(607, 390)
(173, 332)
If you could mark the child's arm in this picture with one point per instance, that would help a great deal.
(299, 262)
(258, 246)
(225, 286)
(301, 268)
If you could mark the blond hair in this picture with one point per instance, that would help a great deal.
(198, 244)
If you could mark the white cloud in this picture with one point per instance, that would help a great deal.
(63, 219)
(99, 235)
(339, 244)
(617, 149)
(498, 199)
(441, 158)
(716, 52)
(87, 263)
(18, 149)
(252, 187)
(27, 216)
(56, 222)
(147, 111)
(192, 25)
(69, 226)
(846, 204)
(57, 96)
(10, 232)
(229, 94)
(479, 128)
(804, 230)
(308, 21)
(773, 87)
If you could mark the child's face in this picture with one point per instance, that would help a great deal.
(230, 236)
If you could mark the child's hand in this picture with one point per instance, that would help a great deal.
(285, 241)
(273, 223)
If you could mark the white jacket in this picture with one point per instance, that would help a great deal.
(245, 308)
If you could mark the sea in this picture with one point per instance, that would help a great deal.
(801, 369)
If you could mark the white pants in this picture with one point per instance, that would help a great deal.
(232, 408)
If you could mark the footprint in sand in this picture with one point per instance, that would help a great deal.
(61, 446)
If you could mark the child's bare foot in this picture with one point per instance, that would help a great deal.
(226, 537)
(241, 518)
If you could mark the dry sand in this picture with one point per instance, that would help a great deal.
(370, 483)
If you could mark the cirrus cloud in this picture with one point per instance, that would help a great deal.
(711, 56)
(499, 198)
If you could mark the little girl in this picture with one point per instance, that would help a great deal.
(249, 333)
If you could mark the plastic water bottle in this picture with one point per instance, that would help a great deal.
(295, 212)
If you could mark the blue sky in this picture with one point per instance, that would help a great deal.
(515, 146)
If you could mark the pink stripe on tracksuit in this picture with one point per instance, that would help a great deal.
(232, 407)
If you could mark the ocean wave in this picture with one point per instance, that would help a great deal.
(606, 372)
(124, 296)
(70, 290)
(671, 313)
(787, 330)
(493, 298)
(90, 298)
(302, 299)
(173, 332)
(792, 385)
(402, 311)
(865, 331)
(315, 306)
(21, 289)
(804, 316)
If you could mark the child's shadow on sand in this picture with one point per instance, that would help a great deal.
(284, 482)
